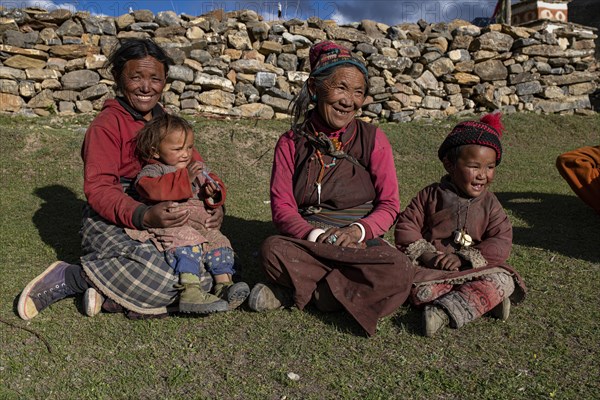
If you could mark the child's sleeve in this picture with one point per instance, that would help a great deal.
(408, 234)
(174, 186)
(497, 242)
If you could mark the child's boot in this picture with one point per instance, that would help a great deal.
(502, 310)
(233, 293)
(195, 300)
(434, 318)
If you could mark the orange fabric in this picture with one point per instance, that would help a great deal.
(581, 169)
(174, 186)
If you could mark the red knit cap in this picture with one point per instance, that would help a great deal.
(324, 55)
(485, 132)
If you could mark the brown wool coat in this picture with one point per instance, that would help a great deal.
(429, 223)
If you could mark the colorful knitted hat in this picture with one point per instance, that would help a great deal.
(324, 55)
(485, 132)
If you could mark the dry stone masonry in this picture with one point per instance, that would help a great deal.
(238, 65)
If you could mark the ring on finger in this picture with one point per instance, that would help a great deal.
(332, 239)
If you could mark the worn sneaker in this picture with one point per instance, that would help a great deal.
(433, 319)
(44, 290)
(267, 297)
(233, 293)
(502, 310)
(92, 302)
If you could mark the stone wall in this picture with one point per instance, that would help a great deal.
(235, 64)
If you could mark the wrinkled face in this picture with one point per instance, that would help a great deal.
(176, 149)
(340, 96)
(474, 169)
(143, 81)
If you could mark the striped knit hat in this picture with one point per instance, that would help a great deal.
(485, 132)
(325, 55)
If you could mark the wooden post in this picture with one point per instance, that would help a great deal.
(508, 12)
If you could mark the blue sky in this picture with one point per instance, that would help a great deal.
(388, 11)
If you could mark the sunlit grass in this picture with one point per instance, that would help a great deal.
(547, 349)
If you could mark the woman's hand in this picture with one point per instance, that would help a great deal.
(216, 218)
(347, 236)
(165, 214)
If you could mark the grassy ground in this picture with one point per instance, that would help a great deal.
(547, 349)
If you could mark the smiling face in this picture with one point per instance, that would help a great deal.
(340, 96)
(176, 148)
(143, 81)
(474, 169)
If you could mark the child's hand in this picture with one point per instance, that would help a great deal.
(429, 259)
(194, 169)
(211, 189)
(447, 262)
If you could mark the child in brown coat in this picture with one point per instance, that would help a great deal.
(457, 232)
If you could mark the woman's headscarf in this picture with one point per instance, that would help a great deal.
(325, 55)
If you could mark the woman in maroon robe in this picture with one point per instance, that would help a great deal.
(334, 193)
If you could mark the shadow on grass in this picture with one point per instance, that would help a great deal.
(340, 320)
(559, 223)
(245, 237)
(58, 221)
(408, 318)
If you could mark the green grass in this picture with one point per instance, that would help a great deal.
(547, 349)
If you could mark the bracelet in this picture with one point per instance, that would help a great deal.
(314, 234)
(362, 231)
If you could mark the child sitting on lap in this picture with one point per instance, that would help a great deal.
(460, 236)
(166, 145)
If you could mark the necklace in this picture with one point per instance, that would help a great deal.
(337, 145)
(461, 237)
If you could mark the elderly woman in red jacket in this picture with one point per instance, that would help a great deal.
(334, 193)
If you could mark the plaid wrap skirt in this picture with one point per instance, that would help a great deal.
(134, 275)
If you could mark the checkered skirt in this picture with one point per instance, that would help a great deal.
(133, 274)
